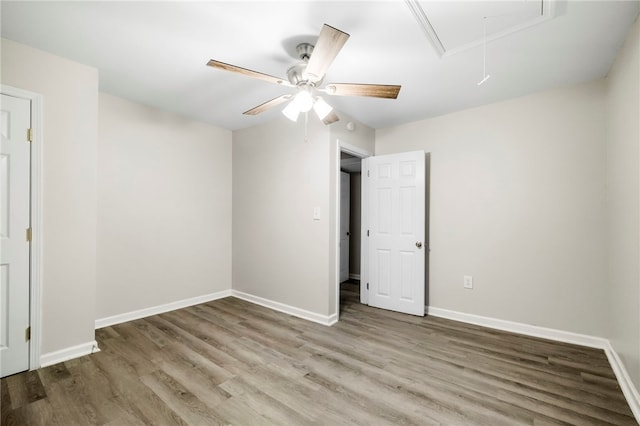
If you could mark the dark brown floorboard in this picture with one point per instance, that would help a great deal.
(232, 362)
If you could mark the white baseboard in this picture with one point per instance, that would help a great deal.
(160, 309)
(287, 309)
(628, 389)
(354, 276)
(332, 319)
(66, 354)
(624, 380)
(518, 327)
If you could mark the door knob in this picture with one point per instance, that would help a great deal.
(419, 244)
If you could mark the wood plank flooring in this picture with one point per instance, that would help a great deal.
(232, 362)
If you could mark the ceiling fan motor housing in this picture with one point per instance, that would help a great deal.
(297, 74)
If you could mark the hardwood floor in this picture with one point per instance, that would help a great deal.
(232, 362)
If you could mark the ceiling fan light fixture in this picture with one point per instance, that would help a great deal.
(321, 108)
(291, 111)
(303, 100)
(307, 77)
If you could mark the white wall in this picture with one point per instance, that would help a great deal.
(362, 137)
(517, 201)
(279, 252)
(623, 195)
(164, 208)
(70, 92)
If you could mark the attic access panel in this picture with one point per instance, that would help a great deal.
(456, 26)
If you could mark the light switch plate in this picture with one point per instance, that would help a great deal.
(468, 281)
(316, 213)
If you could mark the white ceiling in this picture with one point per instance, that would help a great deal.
(155, 52)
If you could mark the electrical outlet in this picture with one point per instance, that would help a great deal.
(468, 281)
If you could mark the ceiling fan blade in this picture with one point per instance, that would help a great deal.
(373, 90)
(325, 51)
(248, 73)
(269, 104)
(332, 117)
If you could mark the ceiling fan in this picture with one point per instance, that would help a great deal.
(307, 77)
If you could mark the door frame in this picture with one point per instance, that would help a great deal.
(36, 219)
(364, 225)
(347, 148)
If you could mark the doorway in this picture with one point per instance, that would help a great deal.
(348, 216)
(349, 243)
(398, 276)
(350, 210)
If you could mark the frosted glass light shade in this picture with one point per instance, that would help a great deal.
(321, 108)
(303, 100)
(291, 111)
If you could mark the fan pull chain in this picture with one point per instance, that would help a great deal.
(306, 126)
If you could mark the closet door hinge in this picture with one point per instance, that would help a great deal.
(29, 232)
(367, 286)
(30, 134)
(27, 334)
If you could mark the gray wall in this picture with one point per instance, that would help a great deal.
(164, 208)
(623, 195)
(279, 252)
(517, 201)
(70, 92)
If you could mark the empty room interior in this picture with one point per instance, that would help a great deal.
(320, 212)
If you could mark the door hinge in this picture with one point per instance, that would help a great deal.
(368, 173)
(29, 234)
(367, 286)
(27, 334)
(30, 134)
(367, 232)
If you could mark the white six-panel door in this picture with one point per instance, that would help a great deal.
(14, 221)
(396, 232)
